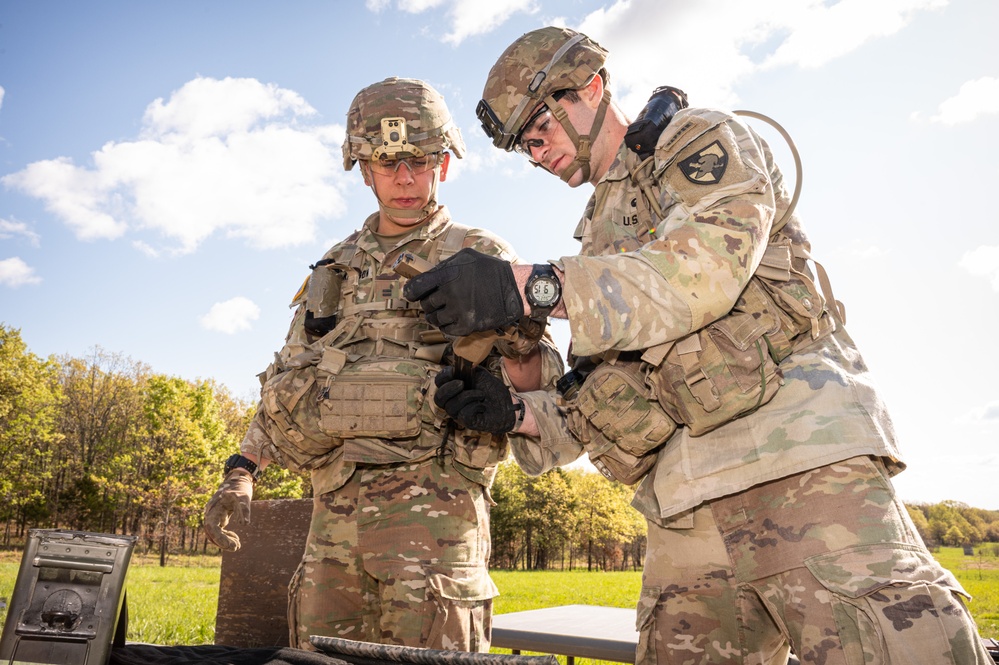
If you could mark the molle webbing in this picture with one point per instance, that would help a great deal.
(393, 304)
(777, 266)
(454, 240)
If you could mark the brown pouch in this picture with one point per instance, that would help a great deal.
(379, 398)
(719, 373)
(619, 422)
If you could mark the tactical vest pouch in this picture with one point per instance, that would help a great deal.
(621, 424)
(290, 400)
(719, 373)
(379, 398)
(793, 299)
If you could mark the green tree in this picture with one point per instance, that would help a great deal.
(93, 484)
(954, 537)
(921, 523)
(182, 439)
(506, 517)
(30, 397)
(608, 529)
(548, 517)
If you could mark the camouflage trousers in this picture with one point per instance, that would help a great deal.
(398, 555)
(826, 563)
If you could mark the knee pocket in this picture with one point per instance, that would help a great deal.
(461, 597)
(894, 603)
(645, 623)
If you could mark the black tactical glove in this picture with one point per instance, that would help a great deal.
(469, 292)
(484, 406)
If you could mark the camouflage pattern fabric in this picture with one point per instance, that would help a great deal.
(753, 539)
(399, 543)
(428, 120)
(516, 70)
(827, 560)
(377, 325)
(398, 555)
(691, 272)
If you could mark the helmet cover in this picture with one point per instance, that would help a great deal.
(428, 125)
(535, 66)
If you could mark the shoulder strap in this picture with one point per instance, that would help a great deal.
(453, 241)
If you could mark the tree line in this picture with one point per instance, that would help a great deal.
(104, 444)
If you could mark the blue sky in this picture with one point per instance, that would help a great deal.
(168, 171)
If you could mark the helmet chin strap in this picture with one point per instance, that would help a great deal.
(583, 143)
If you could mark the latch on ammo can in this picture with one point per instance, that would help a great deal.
(68, 604)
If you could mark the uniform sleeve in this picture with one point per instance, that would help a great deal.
(257, 442)
(719, 206)
(555, 447)
(491, 244)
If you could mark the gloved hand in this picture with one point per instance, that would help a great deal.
(485, 406)
(230, 501)
(469, 292)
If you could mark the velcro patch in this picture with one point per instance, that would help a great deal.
(705, 167)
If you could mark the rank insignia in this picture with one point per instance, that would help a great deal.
(707, 166)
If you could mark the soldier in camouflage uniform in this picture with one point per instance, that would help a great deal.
(399, 542)
(718, 376)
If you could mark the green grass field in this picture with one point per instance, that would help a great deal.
(176, 604)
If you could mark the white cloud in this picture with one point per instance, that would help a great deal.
(474, 17)
(974, 99)
(868, 252)
(983, 261)
(10, 228)
(417, 6)
(231, 156)
(146, 249)
(231, 316)
(467, 17)
(14, 272)
(987, 413)
(819, 32)
(708, 45)
(2, 93)
(714, 43)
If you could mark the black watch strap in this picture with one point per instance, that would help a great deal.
(237, 461)
(543, 275)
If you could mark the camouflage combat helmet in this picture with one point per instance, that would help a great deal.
(396, 119)
(535, 67)
(428, 125)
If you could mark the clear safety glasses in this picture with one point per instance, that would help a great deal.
(539, 128)
(416, 165)
(537, 132)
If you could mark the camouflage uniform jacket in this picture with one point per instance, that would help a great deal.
(643, 281)
(381, 337)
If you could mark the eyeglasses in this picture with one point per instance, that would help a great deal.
(542, 124)
(416, 165)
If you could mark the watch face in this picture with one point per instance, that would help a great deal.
(544, 291)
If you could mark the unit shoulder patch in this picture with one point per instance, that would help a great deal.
(705, 167)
